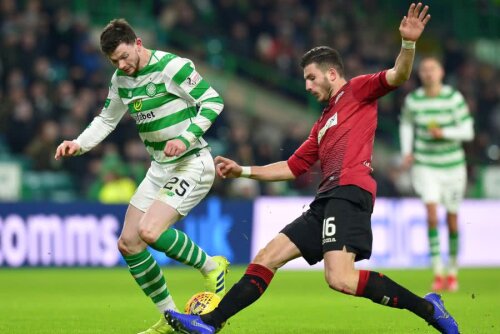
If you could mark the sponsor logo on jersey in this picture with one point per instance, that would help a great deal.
(143, 116)
(368, 164)
(331, 122)
(151, 89)
(138, 105)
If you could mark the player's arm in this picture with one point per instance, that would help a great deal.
(100, 127)
(411, 28)
(187, 83)
(406, 135)
(463, 129)
(303, 158)
(278, 171)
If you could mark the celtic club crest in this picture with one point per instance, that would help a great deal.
(151, 89)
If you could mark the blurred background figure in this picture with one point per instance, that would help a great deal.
(435, 121)
(114, 185)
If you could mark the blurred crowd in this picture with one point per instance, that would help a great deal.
(53, 81)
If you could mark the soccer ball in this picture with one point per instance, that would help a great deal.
(201, 303)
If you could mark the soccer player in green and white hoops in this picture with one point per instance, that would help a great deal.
(172, 106)
(435, 121)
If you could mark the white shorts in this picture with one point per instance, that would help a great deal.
(182, 185)
(444, 186)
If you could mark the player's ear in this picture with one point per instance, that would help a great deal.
(138, 42)
(332, 74)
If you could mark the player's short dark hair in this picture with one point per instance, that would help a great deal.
(325, 57)
(435, 57)
(117, 31)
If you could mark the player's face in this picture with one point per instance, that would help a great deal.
(430, 72)
(317, 82)
(126, 58)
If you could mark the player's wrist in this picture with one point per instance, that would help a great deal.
(79, 151)
(407, 44)
(246, 171)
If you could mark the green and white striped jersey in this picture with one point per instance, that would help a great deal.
(167, 98)
(448, 111)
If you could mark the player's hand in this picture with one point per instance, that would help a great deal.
(407, 161)
(67, 148)
(413, 24)
(227, 168)
(436, 132)
(174, 147)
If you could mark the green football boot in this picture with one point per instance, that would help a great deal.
(161, 327)
(215, 281)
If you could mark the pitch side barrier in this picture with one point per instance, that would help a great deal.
(85, 234)
(399, 231)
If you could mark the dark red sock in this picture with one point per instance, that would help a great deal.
(248, 289)
(382, 290)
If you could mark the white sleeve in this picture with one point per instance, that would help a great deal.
(104, 123)
(463, 129)
(463, 132)
(406, 131)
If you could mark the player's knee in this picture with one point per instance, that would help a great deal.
(148, 235)
(338, 282)
(128, 246)
(264, 258)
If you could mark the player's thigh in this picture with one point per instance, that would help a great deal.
(305, 233)
(454, 188)
(340, 273)
(157, 219)
(426, 183)
(277, 252)
(188, 182)
(347, 225)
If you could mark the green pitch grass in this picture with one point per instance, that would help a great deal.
(107, 301)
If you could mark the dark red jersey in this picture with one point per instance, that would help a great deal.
(342, 138)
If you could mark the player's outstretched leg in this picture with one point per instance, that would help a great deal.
(187, 323)
(442, 320)
(177, 245)
(215, 280)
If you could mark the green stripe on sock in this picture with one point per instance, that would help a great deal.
(148, 275)
(434, 241)
(177, 245)
(453, 241)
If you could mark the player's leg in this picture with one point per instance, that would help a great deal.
(255, 281)
(452, 275)
(342, 276)
(434, 246)
(455, 191)
(297, 239)
(184, 185)
(155, 229)
(144, 269)
(428, 185)
(347, 238)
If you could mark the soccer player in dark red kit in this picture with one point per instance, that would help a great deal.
(336, 228)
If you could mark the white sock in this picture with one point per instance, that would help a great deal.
(453, 266)
(209, 265)
(166, 304)
(437, 265)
